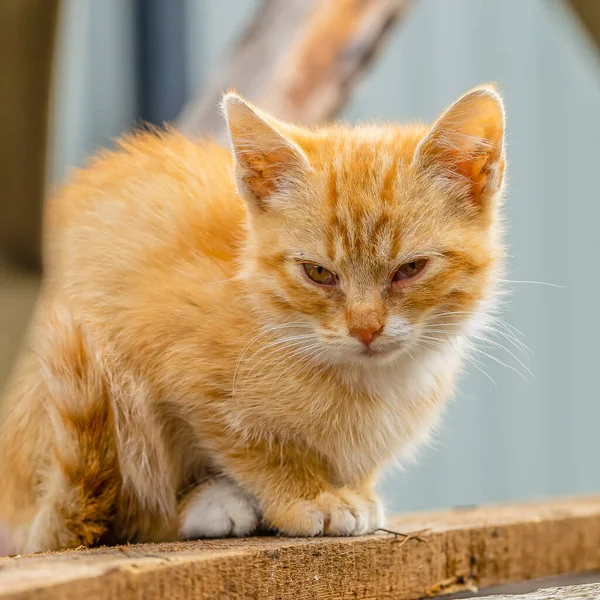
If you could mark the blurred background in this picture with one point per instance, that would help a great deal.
(77, 73)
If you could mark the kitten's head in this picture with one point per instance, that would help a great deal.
(369, 242)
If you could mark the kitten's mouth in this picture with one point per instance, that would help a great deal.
(385, 351)
(373, 352)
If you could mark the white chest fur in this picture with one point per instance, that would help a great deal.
(398, 409)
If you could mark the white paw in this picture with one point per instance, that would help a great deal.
(218, 508)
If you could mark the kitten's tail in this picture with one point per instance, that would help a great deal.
(82, 481)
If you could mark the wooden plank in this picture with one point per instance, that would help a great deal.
(438, 553)
(297, 59)
(530, 585)
(572, 592)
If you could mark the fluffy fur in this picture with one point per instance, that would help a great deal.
(184, 375)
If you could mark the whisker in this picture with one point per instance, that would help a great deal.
(497, 344)
(495, 359)
(510, 327)
(238, 277)
(275, 351)
(476, 364)
(469, 359)
(263, 332)
(491, 319)
(315, 353)
(518, 344)
(554, 285)
(515, 341)
(282, 340)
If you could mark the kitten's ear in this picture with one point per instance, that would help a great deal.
(465, 147)
(266, 160)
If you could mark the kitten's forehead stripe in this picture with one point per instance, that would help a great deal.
(332, 194)
(361, 201)
(332, 198)
(387, 189)
(380, 236)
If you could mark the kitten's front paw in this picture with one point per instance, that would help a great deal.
(338, 512)
(218, 508)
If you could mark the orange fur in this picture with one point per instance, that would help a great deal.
(178, 341)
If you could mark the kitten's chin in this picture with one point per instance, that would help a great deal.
(374, 355)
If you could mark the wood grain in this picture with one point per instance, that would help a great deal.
(432, 553)
(297, 59)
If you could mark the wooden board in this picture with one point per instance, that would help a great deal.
(529, 586)
(589, 13)
(573, 592)
(443, 553)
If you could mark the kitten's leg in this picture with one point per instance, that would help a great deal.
(295, 495)
(217, 508)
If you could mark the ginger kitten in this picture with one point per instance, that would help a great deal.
(227, 341)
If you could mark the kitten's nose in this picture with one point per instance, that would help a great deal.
(366, 334)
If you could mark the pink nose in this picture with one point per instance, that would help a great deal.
(366, 334)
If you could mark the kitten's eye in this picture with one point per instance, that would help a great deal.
(318, 274)
(410, 270)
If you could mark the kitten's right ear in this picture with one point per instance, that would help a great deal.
(266, 160)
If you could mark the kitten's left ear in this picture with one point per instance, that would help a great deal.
(465, 147)
(266, 160)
